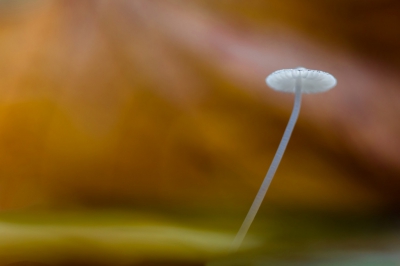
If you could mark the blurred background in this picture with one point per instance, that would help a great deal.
(138, 132)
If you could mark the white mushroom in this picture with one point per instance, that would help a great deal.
(299, 80)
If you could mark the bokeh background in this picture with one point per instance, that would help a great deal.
(138, 132)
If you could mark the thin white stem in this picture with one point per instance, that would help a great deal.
(271, 171)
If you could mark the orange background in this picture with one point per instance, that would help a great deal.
(160, 107)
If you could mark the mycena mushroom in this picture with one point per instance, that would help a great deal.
(298, 81)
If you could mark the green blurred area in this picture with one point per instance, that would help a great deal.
(188, 237)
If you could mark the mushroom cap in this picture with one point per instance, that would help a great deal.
(312, 81)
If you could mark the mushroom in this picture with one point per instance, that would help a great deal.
(298, 81)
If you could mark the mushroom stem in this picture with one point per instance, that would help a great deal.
(272, 169)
